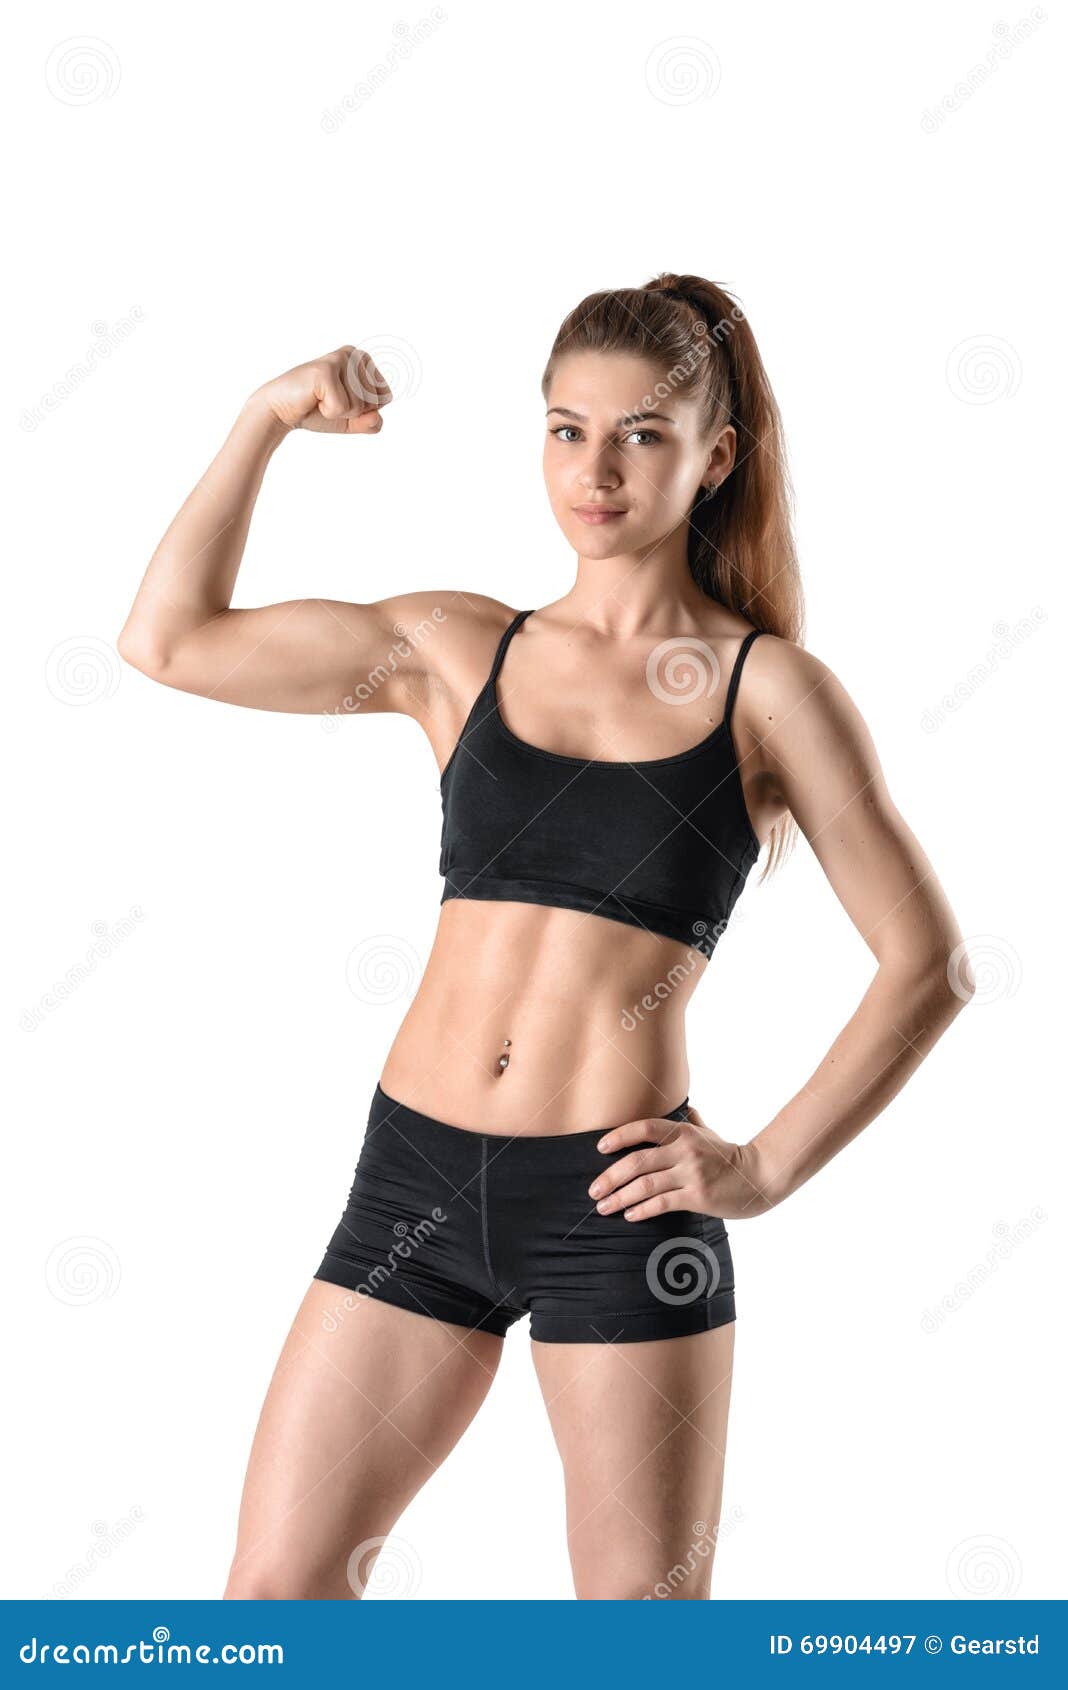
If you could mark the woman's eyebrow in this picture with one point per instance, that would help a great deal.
(621, 422)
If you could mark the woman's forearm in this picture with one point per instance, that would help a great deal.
(190, 577)
(895, 1025)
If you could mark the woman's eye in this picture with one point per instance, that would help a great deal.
(651, 436)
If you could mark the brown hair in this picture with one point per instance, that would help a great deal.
(741, 549)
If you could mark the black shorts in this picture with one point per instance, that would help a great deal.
(480, 1229)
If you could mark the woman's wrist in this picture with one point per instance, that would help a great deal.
(765, 1170)
(258, 416)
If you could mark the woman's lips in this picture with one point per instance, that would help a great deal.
(595, 514)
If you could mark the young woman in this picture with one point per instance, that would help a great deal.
(611, 766)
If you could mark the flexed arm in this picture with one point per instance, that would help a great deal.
(302, 655)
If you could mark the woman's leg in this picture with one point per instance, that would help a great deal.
(365, 1403)
(642, 1430)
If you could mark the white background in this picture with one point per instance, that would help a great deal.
(192, 1108)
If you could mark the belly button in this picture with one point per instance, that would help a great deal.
(502, 1061)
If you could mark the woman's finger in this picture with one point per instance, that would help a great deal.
(651, 1129)
(657, 1183)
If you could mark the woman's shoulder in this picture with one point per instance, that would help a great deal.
(451, 636)
(445, 623)
(789, 694)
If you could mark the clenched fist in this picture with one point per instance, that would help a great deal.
(340, 393)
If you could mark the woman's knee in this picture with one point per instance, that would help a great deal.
(278, 1580)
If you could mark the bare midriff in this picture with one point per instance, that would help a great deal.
(532, 1019)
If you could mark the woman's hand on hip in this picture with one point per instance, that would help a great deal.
(681, 1165)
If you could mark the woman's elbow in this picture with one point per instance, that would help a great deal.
(141, 653)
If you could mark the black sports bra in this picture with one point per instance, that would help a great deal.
(664, 844)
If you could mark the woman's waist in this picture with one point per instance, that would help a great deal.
(529, 1041)
(538, 1092)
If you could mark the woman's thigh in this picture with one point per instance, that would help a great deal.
(365, 1403)
(641, 1429)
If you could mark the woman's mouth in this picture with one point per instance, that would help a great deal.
(595, 514)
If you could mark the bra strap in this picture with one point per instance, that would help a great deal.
(502, 644)
(732, 689)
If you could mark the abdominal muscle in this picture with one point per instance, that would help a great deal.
(588, 1012)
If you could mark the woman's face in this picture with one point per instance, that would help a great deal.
(618, 437)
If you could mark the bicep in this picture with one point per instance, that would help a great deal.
(823, 761)
(309, 655)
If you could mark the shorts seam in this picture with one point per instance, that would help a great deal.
(495, 1284)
